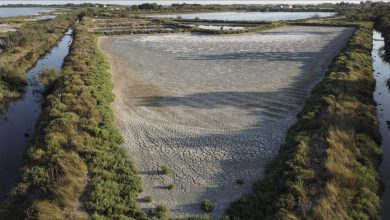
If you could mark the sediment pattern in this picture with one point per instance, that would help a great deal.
(214, 109)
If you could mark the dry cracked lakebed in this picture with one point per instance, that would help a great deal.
(212, 108)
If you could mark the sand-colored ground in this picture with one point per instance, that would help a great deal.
(214, 109)
(9, 27)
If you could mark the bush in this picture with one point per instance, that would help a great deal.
(165, 170)
(148, 199)
(207, 206)
(171, 187)
(161, 211)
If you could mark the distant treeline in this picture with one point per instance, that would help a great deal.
(192, 7)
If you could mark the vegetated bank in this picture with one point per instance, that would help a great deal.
(23, 48)
(20, 117)
(327, 169)
(75, 167)
(383, 25)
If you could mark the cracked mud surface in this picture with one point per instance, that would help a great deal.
(212, 108)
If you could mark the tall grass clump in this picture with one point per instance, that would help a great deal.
(327, 168)
(207, 206)
(76, 167)
(160, 212)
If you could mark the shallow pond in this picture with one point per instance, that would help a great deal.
(18, 122)
(382, 97)
(247, 16)
(129, 30)
(217, 27)
(22, 11)
(46, 17)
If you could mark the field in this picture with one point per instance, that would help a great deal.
(212, 109)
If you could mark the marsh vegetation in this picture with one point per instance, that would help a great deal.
(76, 150)
(18, 122)
(22, 49)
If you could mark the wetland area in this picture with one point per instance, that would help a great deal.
(214, 109)
(17, 125)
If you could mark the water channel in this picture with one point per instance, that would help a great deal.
(382, 97)
(18, 122)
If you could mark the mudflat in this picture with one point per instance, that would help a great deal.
(212, 108)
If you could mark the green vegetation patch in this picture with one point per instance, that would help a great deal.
(76, 167)
(207, 206)
(160, 212)
(165, 170)
(327, 168)
(148, 199)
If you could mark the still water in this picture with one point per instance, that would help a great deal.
(382, 97)
(217, 27)
(18, 122)
(248, 16)
(9, 12)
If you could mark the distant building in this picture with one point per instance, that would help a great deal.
(286, 6)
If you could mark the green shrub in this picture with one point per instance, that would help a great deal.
(161, 211)
(207, 206)
(165, 170)
(148, 199)
(171, 187)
